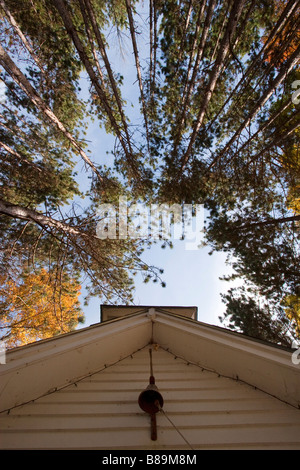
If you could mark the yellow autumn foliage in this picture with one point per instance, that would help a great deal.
(293, 200)
(291, 162)
(292, 304)
(34, 308)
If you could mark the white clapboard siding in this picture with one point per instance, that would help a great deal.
(201, 411)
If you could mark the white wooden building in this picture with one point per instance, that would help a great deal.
(221, 390)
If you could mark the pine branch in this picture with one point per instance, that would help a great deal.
(285, 69)
(263, 127)
(280, 220)
(21, 158)
(23, 83)
(24, 213)
(23, 38)
(256, 63)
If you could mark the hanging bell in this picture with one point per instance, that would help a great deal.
(150, 400)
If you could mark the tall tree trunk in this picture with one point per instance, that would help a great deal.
(138, 66)
(223, 51)
(190, 82)
(151, 39)
(189, 89)
(87, 7)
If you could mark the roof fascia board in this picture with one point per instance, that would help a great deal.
(30, 372)
(266, 367)
(215, 333)
(25, 349)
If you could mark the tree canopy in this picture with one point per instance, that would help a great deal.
(216, 123)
